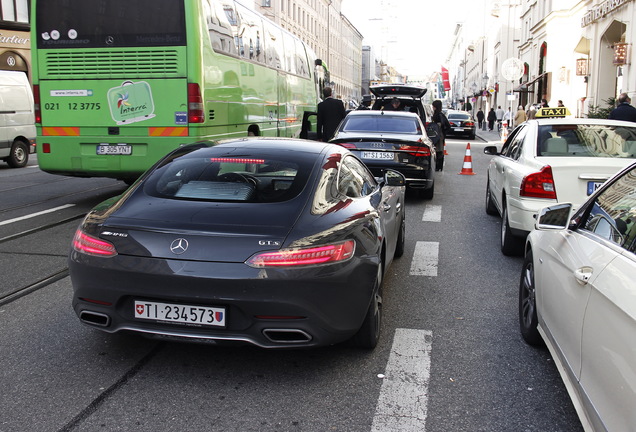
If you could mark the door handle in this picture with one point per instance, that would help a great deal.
(583, 275)
(386, 207)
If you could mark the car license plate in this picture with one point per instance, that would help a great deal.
(378, 155)
(178, 313)
(592, 186)
(119, 149)
(459, 129)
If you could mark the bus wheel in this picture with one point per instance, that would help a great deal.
(19, 155)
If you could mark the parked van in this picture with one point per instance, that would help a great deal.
(17, 119)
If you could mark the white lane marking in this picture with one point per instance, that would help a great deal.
(432, 213)
(32, 215)
(402, 405)
(425, 259)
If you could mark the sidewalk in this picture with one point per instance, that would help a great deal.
(492, 138)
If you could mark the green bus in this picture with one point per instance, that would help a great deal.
(120, 83)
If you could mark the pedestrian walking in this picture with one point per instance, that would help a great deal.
(492, 117)
(330, 113)
(439, 118)
(532, 112)
(520, 116)
(480, 118)
(624, 110)
(499, 113)
(544, 103)
(507, 118)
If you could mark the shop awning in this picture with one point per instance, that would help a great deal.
(583, 46)
(523, 87)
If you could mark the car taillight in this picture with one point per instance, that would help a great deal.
(89, 245)
(417, 151)
(327, 254)
(347, 145)
(36, 103)
(539, 184)
(469, 124)
(453, 124)
(195, 104)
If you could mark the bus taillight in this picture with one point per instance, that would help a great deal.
(36, 103)
(195, 104)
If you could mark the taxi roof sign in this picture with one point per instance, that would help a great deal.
(553, 112)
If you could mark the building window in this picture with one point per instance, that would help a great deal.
(267, 3)
(15, 11)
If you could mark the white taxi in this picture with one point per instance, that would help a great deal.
(550, 160)
(577, 294)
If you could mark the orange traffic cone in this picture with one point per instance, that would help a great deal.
(467, 169)
(445, 152)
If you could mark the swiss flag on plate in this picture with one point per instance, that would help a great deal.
(140, 309)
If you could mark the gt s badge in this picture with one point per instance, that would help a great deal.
(268, 243)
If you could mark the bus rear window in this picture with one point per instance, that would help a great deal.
(112, 23)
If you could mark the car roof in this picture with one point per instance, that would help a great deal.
(580, 121)
(397, 90)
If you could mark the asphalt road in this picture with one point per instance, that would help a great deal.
(450, 358)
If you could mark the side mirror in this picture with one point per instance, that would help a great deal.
(555, 217)
(394, 178)
(491, 150)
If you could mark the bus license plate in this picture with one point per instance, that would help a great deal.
(178, 313)
(119, 149)
(592, 186)
(378, 155)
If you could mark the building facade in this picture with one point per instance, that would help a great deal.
(574, 51)
(321, 24)
(15, 39)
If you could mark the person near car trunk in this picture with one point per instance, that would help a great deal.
(330, 113)
(440, 119)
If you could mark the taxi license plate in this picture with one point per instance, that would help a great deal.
(178, 313)
(378, 155)
(119, 149)
(592, 186)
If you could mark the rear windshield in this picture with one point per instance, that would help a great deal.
(458, 117)
(214, 176)
(112, 23)
(382, 123)
(587, 141)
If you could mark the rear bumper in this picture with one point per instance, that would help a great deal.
(268, 308)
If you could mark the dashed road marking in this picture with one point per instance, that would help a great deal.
(432, 213)
(403, 401)
(425, 259)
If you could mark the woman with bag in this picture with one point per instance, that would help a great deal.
(444, 126)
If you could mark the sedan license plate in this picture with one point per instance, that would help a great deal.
(459, 129)
(178, 313)
(378, 155)
(592, 186)
(119, 149)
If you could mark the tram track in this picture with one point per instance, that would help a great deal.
(42, 283)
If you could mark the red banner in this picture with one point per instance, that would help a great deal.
(445, 79)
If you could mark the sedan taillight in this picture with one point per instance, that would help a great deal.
(327, 254)
(347, 145)
(539, 184)
(89, 245)
(417, 151)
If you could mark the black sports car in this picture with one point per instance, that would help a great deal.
(274, 242)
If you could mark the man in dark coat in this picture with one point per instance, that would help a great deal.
(330, 113)
(624, 111)
(480, 118)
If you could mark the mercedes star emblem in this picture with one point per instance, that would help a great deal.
(110, 40)
(179, 246)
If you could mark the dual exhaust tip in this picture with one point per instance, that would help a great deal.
(282, 336)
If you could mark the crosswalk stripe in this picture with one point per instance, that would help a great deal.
(432, 213)
(402, 405)
(425, 259)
